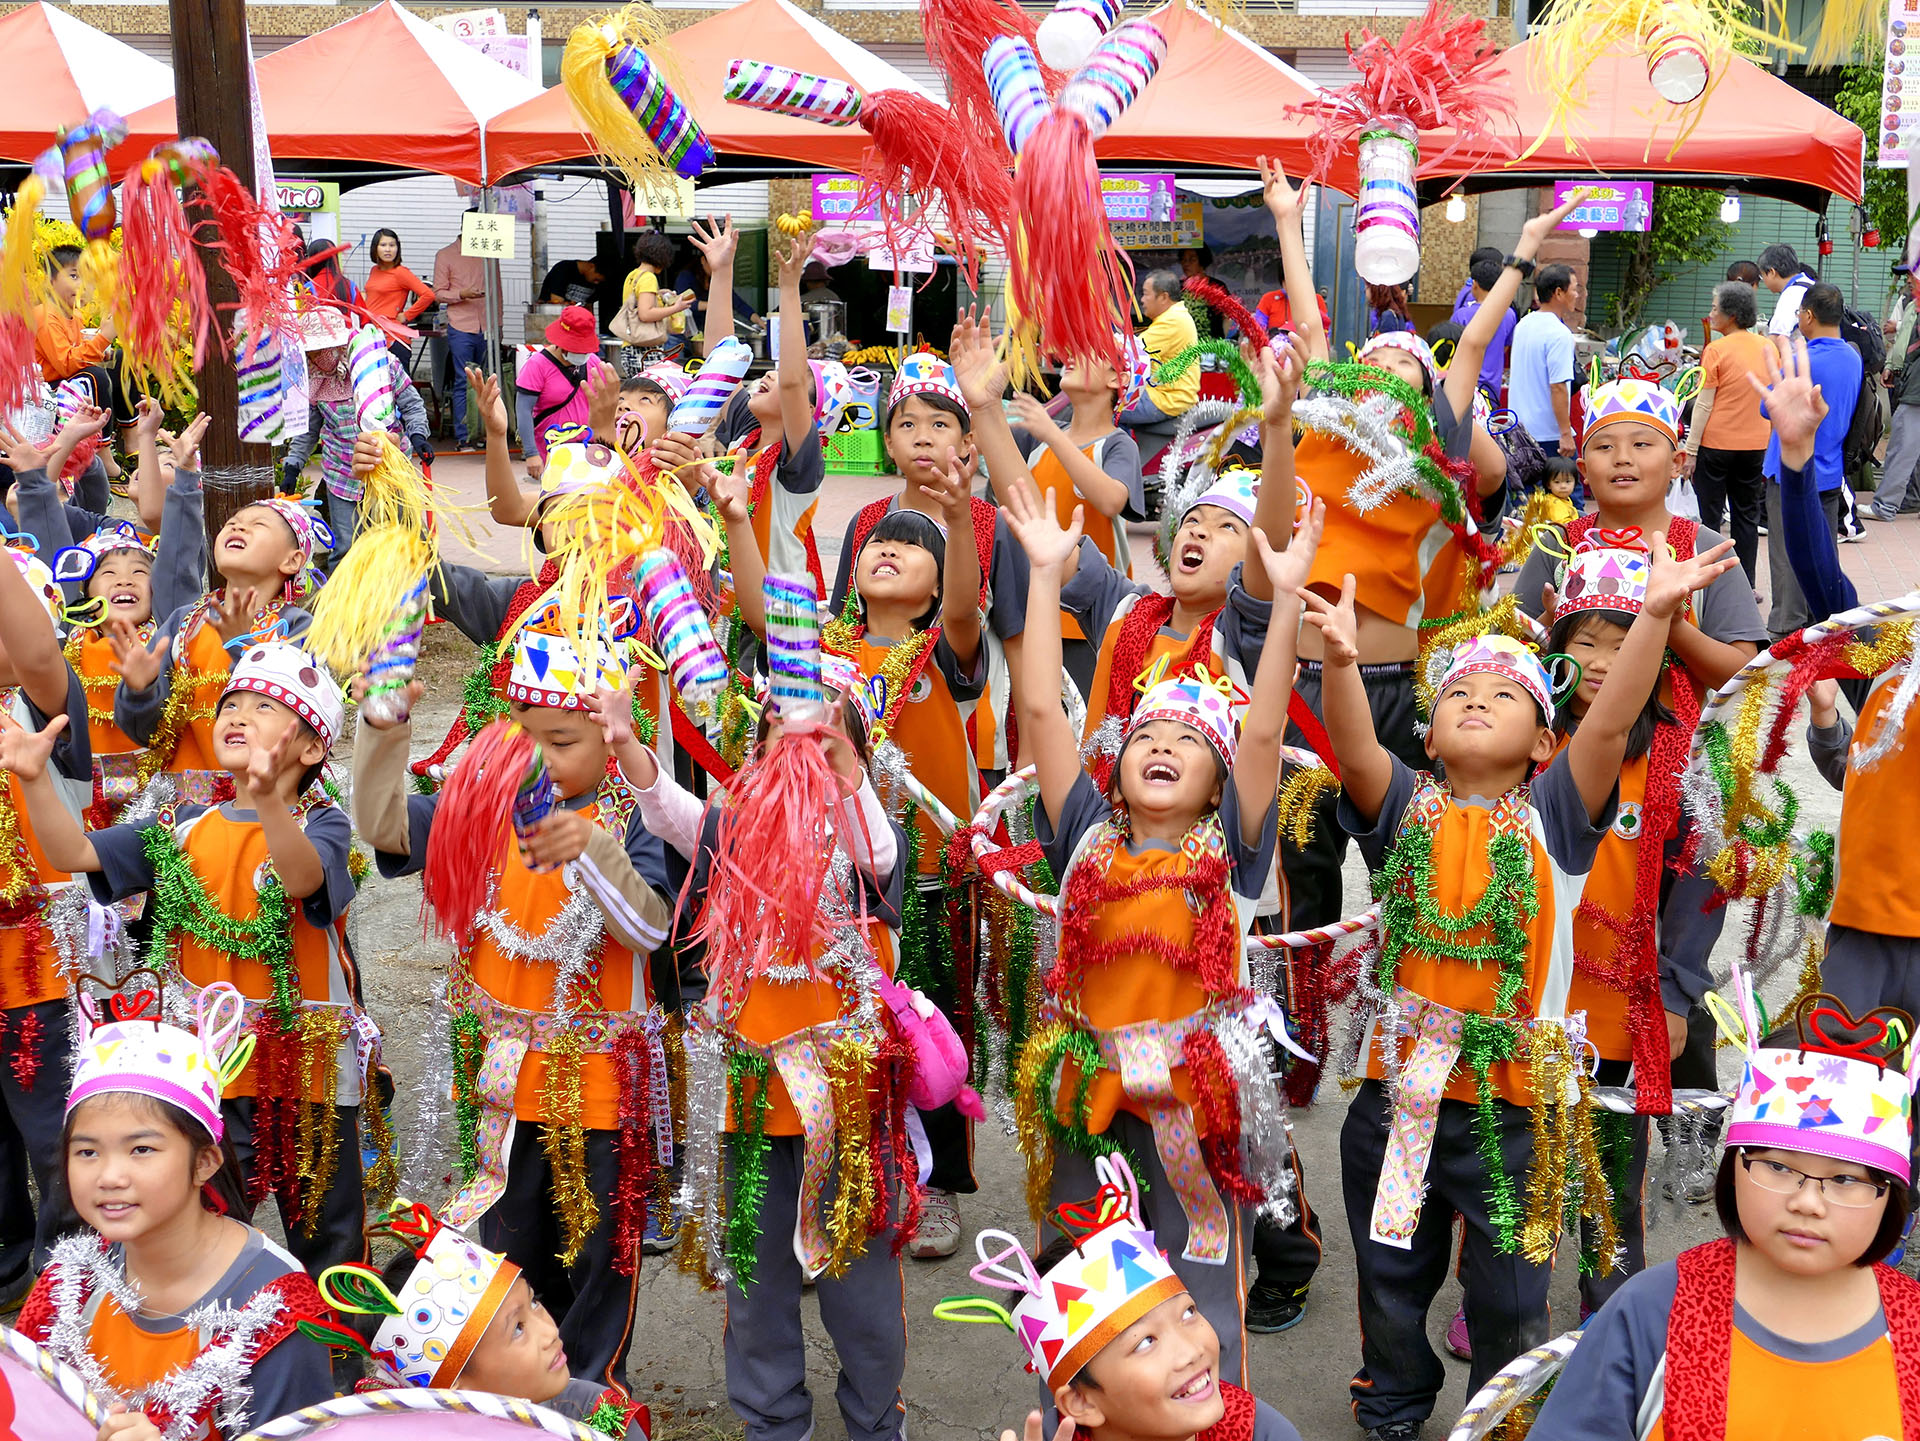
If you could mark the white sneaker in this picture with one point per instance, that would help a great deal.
(939, 1233)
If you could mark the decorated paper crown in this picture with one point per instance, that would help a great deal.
(1202, 700)
(75, 564)
(1136, 373)
(1502, 655)
(832, 394)
(132, 1052)
(1838, 1093)
(41, 579)
(674, 379)
(289, 675)
(1235, 489)
(551, 669)
(1631, 399)
(580, 465)
(310, 533)
(442, 1310)
(323, 328)
(1404, 340)
(924, 373)
(1603, 575)
(843, 674)
(1114, 1275)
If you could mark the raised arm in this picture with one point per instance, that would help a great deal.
(26, 753)
(1256, 768)
(982, 378)
(960, 584)
(1090, 482)
(729, 492)
(1045, 733)
(1366, 768)
(1274, 508)
(1285, 201)
(1463, 371)
(39, 667)
(1599, 746)
(508, 502)
(717, 241)
(793, 375)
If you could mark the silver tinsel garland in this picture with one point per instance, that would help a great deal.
(426, 1149)
(702, 1182)
(1891, 724)
(1367, 427)
(1266, 1140)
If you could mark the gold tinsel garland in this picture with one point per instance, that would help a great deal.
(565, 1141)
(1030, 1122)
(319, 1032)
(850, 1062)
(1300, 794)
(1563, 1138)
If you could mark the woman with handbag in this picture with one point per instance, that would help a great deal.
(648, 322)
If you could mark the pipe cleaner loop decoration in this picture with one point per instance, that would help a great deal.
(622, 97)
(1438, 76)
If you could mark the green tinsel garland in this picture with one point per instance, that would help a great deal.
(469, 1047)
(749, 1166)
(1022, 951)
(1410, 918)
(1483, 1043)
(1224, 351)
(1351, 378)
(477, 698)
(181, 903)
(1081, 1047)
(1613, 1137)
(915, 965)
(1719, 753)
(1813, 876)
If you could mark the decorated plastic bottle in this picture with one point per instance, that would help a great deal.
(79, 160)
(187, 158)
(1019, 94)
(262, 384)
(372, 379)
(1113, 77)
(793, 645)
(668, 123)
(390, 667)
(1677, 65)
(1070, 34)
(695, 412)
(1386, 244)
(760, 86)
(694, 660)
(534, 799)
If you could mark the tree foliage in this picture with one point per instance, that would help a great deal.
(1686, 230)
(1860, 101)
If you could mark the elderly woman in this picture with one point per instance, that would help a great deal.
(1727, 442)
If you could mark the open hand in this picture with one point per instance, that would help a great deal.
(1279, 373)
(728, 488)
(25, 752)
(792, 252)
(612, 710)
(87, 422)
(952, 488)
(1670, 581)
(261, 777)
(976, 363)
(18, 453)
(1034, 521)
(602, 389)
(493, 409)
(139, 667)
(1339, 628)
(1288, 569)
(1037, 419)
(186, 445)
(717, 240)
(1282, 196)
(231, 613)
(392, 717)
(1535, 232)
(1794, 402)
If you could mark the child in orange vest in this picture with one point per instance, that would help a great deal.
(1790, 1324)
(1148, 1033)
(1479, 877)
(254, 893)
(559, 1043)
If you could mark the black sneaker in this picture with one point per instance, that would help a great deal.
(1396, 1431)
(1270, 1309)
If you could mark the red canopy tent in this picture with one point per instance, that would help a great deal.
(1758, 133)
(383, 88)
(1219, 99)
(543, 131)
(59, 71)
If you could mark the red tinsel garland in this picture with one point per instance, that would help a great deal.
(1253, 326)
(26, 1049)
(27, 916)
(1216, 1102)
(897, 1070)
(1213, 954)
(1316, 982)
(634, 1150)
(280, 1088)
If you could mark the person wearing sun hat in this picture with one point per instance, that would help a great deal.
(1481, 873)
(550, 388)
(255, 893)
(1792, 1323)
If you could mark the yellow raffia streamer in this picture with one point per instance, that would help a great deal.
(1847, 28)
(1300, 794)
(1030, 1121)
(850, 1062)
(320, 1032)
(616, 134)
(1571, 34)
(565, 1142)
(23, 275)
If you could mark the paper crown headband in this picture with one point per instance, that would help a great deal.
(1608, 572)
(1236, 489)
(550, 669)
(289, 675)
(1403, 340)
(925, 374)
(1199, 699)
(1631, 398)
(1837, 1094)
(441, 1311)
(39, 578)
(1114, 1275)
(1501, 655)
(131, 1051)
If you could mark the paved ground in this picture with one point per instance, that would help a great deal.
(962, 1382)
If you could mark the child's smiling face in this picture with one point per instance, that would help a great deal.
(1628, 465)
(123, 583)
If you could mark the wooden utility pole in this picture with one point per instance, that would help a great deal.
(213, 99)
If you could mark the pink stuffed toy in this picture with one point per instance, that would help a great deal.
(940, 1061)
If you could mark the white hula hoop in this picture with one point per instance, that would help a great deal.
(1513, 1383)
(401, 1400)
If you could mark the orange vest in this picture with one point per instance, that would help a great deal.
(29, 967)
(209, 664)
(1610, 886)
(932, 733)
(93, 663)
(1387, 550)
(1048, 471)
(1875, 883)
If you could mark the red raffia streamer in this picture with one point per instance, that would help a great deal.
(1438, 76)
(162, 279)
(958, 33)
(772, 847)
(1218, 297)
(634, 1153)
(259, 248)
(475, 809)
(19, 380)
(1216, 1103)
(1072, 286)
(918, 153)
(26, 1050)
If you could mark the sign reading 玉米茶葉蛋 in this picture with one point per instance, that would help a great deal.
(490, 237)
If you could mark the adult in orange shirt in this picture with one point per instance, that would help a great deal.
(1727, 442)
(389, 284)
